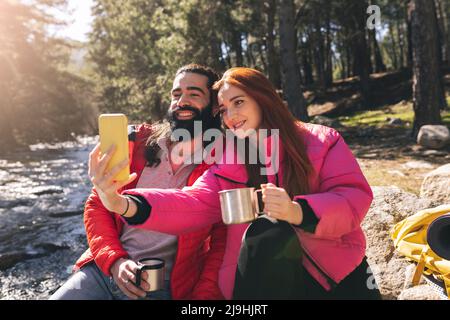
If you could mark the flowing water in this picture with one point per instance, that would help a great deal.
(42, 194)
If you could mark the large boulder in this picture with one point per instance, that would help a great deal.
(390, 206)
(436, 185)
(421, 292)
(433, 136)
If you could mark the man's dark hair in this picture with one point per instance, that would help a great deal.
(163, 129)
(208, 72)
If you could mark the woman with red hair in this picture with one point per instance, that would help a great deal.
(311, 246)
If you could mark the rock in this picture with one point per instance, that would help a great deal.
(417, 165)
(365, 132)
(417, 148)
(390, 205)
(421, 292)
(370, 155)
(48, 248)
(409, 274)
(396, 173)
(434, 153)
(9, 259)
(433, 136)
(65, 214)
(8, 204)
(436, 185)
(333, 123)
(396, 121)
(41, 190)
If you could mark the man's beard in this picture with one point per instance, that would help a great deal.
(204, 115)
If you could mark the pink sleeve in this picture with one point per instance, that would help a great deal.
(176, 211)
(344, 196)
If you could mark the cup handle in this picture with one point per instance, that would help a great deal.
(139, 275)
(258, 211)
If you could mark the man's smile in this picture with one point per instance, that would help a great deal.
(184, 114)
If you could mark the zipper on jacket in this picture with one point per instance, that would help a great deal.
(330, 281)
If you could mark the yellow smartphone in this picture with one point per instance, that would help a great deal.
(113, 129)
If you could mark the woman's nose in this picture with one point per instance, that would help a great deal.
(231, 112)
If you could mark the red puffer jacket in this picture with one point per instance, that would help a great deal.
(199, 255)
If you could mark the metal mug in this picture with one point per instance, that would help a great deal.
(154, 267)
(239, 205)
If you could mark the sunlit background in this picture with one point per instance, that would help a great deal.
(64, 61)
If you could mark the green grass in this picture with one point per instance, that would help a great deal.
(402, 110)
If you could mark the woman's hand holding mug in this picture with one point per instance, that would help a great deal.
(278, 204)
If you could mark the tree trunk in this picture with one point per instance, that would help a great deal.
(272, 57)
(328, 52)
(369, 51)
(250, 57)
(401, 45)
(318, 48)
(261, 55)
(394, 47)
(306, 66)
(291, 74)
(408, 35)
(445, 9)
(441, 30)
(426, 91)
(359, 48)
(379, 64)
(237, 47)
(348, 57)
(440, 46)
(216, 51)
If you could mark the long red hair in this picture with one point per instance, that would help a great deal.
(275, 115)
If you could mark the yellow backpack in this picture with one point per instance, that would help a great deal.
(410, 240)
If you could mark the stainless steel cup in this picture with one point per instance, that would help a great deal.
(239, 205)
(154, 267)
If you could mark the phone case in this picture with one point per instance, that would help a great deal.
(113, 129)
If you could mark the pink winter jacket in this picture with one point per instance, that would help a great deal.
(340, 198)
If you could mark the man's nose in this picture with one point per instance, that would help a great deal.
(183, 101)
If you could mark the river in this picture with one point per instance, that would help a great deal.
(42, 195)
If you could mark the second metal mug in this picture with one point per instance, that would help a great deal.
(239, 205)
(154, 267)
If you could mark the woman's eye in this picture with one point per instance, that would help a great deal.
(239, 102)
(221, 111)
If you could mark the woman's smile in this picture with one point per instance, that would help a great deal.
(240, 124)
